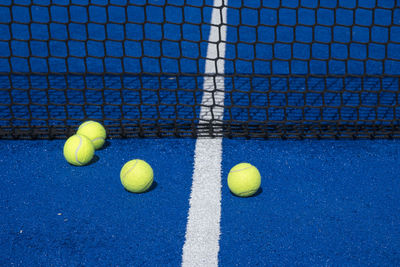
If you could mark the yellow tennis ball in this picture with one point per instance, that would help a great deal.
(94, 131)
(136, 176)
(78, 150)
(244, 180)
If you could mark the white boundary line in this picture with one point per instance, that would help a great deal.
(203, 227)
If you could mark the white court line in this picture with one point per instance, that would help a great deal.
(203, 227)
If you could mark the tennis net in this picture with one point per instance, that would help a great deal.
(291, 69)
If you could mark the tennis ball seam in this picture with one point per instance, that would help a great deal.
(148, 184)
(246, 192)
(130, 169)
(86, 123)
(97, 138)
(77, 149)
(242, 169)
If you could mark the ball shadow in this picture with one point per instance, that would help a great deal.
(93, 161)
(259, 191)
(105, 145)
(152, 187)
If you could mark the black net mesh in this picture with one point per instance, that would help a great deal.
(292, 69)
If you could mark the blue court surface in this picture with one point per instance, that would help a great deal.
(323, 203)
(55, 214)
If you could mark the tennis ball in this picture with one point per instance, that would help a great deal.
(244, 180)
(136, 176)
(78, 150)
(94, 131)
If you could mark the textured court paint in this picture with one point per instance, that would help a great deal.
(55, 214)
(203, 226)
(202, 230)
(323, 203)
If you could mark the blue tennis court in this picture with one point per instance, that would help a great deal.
(194, 88)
